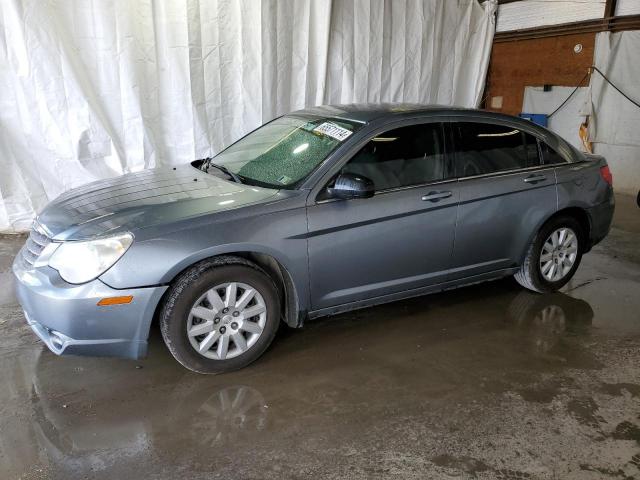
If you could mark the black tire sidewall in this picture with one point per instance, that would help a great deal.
(536, 275)
(191, 287)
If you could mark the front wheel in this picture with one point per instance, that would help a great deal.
(219, 318)
(553, 257)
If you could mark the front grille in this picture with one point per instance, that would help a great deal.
(36, 243)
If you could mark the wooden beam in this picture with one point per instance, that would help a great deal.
(614, 24)
(609, 12)
(610, 8)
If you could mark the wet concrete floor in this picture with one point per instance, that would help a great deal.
(484, 382)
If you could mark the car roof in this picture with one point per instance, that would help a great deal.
(369, 112)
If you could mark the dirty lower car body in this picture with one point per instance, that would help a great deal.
(319, 211)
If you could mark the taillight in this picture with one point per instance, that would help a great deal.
(605, 173)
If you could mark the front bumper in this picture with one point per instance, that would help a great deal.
(68, 320)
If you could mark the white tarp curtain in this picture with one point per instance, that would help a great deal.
(94, 89)
(615, 121)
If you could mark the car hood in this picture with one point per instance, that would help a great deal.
(138, 200)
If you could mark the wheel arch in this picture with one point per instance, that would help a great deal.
(284, 282)
(578, 213)
(291, 310)
(583, 218)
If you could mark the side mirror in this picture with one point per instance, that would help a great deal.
(349, 185)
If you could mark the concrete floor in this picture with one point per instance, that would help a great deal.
(484, 382)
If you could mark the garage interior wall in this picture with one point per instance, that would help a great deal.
(536, 62)
(92, 90)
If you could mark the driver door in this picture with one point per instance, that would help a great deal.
(399, 239)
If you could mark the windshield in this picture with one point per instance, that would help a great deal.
(285, 151)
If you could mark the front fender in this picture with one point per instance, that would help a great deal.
(158, 261)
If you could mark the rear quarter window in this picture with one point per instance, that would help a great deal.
(484, 148)
(550, 156)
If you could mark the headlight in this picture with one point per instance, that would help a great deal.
(80, 262)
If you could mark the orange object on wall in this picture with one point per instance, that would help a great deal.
(584, 136)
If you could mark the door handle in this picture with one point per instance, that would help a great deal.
(535, 179)
(435, 196)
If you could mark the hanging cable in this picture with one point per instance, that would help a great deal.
(597, 70)
(637, 104)
(570, 95)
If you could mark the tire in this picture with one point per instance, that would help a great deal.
(192, 304)
(530, 274)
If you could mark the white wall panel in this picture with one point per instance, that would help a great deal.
(538, 13)
(628, 7)
(566, 122)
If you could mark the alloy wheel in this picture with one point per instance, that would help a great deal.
(558, 254)
(226, 321)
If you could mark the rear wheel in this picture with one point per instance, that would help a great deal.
(553, 256)
(220, 318)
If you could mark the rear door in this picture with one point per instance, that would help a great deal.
(397, 240)
(505, 192)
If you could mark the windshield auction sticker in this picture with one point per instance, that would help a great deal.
(333, 130)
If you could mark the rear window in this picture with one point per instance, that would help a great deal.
(483, 148)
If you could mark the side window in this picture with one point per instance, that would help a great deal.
(402, 157)
(483, 148)
(550, 156)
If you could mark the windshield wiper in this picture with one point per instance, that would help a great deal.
(207, 163)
